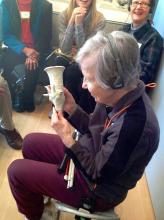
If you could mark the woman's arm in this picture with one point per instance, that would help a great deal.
(66, 33)
(151, 52)
(80, 32)
(9, 39)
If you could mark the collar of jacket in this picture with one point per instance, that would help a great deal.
(140, 32)
(129, 98)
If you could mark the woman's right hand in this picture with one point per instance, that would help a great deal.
(78, 15)
(70, 104)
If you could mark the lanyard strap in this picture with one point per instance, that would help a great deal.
(108, 121)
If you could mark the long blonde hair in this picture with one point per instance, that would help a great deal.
(95, 15)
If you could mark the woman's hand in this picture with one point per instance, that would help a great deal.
(62, 128)
(31, 63)
(78, 15)
(70, 104)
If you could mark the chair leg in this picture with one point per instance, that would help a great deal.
(57, 215)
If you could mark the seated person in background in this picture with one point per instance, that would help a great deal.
(26, 31)
(149, 40)
(117, 140)
(77, 23)
(7, 129)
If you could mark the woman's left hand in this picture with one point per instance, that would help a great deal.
(31, 63)
(62, 128)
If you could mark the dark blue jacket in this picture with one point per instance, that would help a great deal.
(150, 50)
(115, 158)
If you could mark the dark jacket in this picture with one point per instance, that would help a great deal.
(40, 24)
(115, 158)
(150, 50)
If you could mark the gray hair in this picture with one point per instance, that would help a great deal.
(104, 61)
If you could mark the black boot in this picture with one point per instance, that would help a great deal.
(29, 106)
(18, 103)
(29, 102)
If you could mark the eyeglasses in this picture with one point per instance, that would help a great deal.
(142, 4)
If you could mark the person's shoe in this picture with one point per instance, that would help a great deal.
(23, 108)
(13, 138)
(50, 212)
(18, 104)
(19, 108)
(30, 107)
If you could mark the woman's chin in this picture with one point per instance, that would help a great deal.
(97, 100)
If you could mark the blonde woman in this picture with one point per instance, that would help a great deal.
(77, 23)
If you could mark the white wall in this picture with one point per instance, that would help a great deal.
(158, 17)
(155, 170)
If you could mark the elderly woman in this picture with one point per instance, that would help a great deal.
(148, 38)
(117, 140)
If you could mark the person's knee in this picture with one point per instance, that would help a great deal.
(28, 142)
(14, 170)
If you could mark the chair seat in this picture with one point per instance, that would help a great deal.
(107, 215)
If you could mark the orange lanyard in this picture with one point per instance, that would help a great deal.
(108, 121)
(151, 85)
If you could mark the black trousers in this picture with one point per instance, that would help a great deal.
(10, 61)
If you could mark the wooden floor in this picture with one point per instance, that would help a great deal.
(137, 206)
